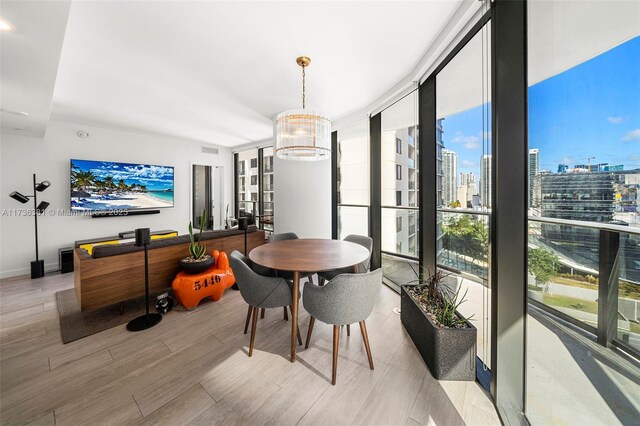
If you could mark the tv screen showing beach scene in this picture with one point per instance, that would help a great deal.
(103, 185)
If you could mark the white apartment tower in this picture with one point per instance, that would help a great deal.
(449, 176)
(485, 181)
(466, 189)
(534, 169)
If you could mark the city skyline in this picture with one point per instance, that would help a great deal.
(606, 126)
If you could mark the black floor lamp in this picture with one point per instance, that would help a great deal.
(37, 266)
(143, 238)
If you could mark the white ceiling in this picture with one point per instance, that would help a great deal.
(219, 71)
(29, 59)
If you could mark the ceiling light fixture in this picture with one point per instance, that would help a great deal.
(14, 112)
(302, 134)
(5, 26)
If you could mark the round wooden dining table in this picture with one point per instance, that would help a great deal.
(307, 255)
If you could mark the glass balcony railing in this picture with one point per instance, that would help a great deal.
(394, 242)
(583, 322)
(589, 275)
(463, 236)
(411, 163)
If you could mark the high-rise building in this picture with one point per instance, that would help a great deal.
(465, 178)
(534, 166)
(439, 148)
(563, 168)
(613, 168)
(399, 188)
(449, 176)
(466, 189)
(485, 180)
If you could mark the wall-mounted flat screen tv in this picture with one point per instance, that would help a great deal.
(104, 185)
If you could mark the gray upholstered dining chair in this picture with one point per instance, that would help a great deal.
(259, 292)
(364, 241)
(282, 236)
(346, 299)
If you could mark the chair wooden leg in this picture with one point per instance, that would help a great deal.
(297, 330)
(312, 320)
(320, 281)
(311, 279)
(365, 337)
(263, 310)
(254, 324)
(246, 324)
(348, 330)
(336, 341)
(286, 314)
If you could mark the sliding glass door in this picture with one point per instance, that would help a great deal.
(353, 179)
(464, 182)
(583, 322)
(399, 190)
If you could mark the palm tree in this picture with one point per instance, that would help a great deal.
(83, 179)
(108, 182)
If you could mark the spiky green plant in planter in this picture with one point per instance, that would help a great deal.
(196, 248)
(445, 338)
(198, 261)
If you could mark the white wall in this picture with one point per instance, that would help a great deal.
(302, 191)
(49, 157)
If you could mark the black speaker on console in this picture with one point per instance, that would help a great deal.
(143, 236)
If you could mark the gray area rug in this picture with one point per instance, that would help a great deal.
(75, 324)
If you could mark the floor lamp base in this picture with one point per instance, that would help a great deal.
(37, 269)
(144, 322)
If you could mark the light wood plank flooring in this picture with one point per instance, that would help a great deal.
(193, 369)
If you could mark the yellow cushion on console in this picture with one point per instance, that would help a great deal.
(90, 246)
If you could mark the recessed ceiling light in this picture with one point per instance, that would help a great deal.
(14, 112)
(5, 25)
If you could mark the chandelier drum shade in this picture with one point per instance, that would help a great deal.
(302, 134)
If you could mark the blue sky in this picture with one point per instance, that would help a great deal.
(154, 177)
(592, 109)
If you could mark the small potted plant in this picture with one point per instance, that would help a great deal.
(445, 338)
(198, 261)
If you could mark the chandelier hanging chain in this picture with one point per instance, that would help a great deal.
(304, 89)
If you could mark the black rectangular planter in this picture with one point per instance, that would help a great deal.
(450, 353)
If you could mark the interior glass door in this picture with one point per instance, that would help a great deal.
(207, 196)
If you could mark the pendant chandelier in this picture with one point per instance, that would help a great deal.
(302, 134)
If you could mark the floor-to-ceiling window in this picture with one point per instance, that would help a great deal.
(267, 202)
(584, 220)
(353, 179)
(463, 182)
(247, 177)
(254, 186)
(399, 189)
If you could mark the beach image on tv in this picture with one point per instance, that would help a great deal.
(101, 185)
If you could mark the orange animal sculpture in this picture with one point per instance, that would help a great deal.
(190, 289)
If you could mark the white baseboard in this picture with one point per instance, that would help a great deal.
(48, 267)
